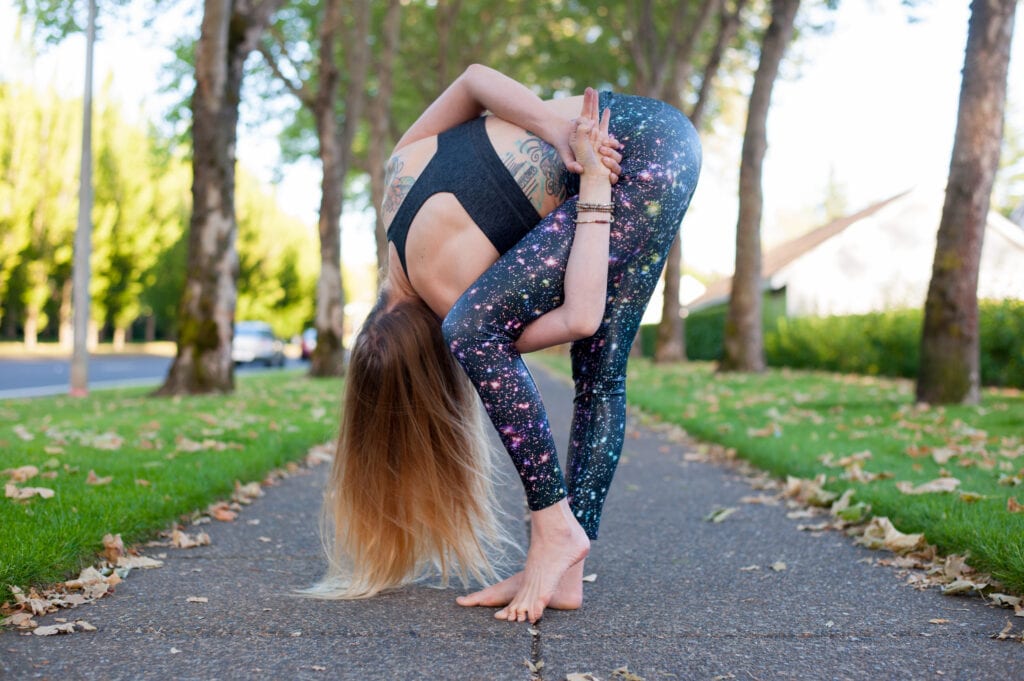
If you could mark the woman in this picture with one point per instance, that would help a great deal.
(494, 251)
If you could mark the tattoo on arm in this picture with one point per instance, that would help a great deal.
(398, 186)
(538, 169)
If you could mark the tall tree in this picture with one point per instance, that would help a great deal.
(744, 342)
(949, 369)
(670, 341)
(230, 31)
(338, 36)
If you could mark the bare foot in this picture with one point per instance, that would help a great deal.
(568, 595)
(557, 543)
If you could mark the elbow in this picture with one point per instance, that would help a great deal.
(584, 321)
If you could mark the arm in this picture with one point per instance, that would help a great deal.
(480, 89)
(586, 272)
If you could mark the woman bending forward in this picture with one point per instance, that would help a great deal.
(497, 250)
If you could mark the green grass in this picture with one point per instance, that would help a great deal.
(785, 421)
(271, 419)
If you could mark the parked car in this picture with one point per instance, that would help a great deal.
(255, 342)
(308, 343)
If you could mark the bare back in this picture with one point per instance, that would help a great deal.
(445, 250)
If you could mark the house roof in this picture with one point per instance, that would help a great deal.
(778, 257)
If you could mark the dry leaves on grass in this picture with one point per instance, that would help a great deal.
(880, 534)
(19, 493)
(938, 485)
(184, 540)
(1014, 506)
(21, 473)
(93, 479)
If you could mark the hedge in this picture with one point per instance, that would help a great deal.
(879, 343)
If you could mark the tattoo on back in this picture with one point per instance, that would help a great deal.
(537, 169)
(398, 185)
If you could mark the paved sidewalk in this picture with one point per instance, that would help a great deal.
(670, 601)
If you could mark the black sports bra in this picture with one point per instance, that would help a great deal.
(466, 165)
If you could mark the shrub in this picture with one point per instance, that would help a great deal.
(879, 343)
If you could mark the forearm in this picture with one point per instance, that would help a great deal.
(586, 279)
(480, 89)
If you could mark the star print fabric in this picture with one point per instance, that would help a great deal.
(660, 167)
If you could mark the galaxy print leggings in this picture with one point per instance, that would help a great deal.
(660, 166)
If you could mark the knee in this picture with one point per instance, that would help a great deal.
(601, 386)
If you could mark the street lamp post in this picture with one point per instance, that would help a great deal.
(83, 232)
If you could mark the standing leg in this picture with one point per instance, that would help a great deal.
(659, 175)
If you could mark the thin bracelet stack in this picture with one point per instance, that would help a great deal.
(587, 207)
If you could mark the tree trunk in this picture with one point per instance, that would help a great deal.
(744, 342)
(670, 341)
(949, 369)
(230, 30)
(328, 357)
(31, 328)
(380, 126)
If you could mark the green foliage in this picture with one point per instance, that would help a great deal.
(141, 211)
(189, 452)
(880, 343)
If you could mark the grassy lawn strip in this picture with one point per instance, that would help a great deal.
(794, 422)
(165, 457)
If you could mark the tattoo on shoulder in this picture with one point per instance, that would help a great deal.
(537, 169)
(398, 185)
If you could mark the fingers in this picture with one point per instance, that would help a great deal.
(605, 119)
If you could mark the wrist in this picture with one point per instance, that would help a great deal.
(596, 182)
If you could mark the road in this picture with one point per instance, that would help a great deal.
(44, 376)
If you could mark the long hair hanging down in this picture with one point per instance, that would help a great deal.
(411, 485)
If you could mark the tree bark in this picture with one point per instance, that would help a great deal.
(744, 341)
(670, 340)
(949, 369)
(328, 357)
(380, 125)
(230, 31)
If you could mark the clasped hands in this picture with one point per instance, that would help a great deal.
(594, 150)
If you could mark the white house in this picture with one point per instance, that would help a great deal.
(879, 258)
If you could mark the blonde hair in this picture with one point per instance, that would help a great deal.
(411, 488)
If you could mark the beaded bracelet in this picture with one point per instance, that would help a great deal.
(609, 221)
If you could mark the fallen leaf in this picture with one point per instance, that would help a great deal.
(67, 628)
(174, 650)
(971, 497)
(766, 499)
(85, 626)
(142, 482)
(962, 586)
(21, 473)
(138, 562)
(318, 668)
(576, 676)
(245, 494)
(1006, 600)
(591, 577)
(809, 491)
(17, 493)
(22, 620)
(935, 486)
(880, 533)
(938, 620)
(197, 599)
(183, 540)
(93, 479)
(750, 568)
(1014, 506)
(221, 512)
(626, 675)
(22, 432)
(720, 514)
(265, 539)
(113, 548)
(779, 566)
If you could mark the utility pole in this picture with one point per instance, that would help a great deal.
(83, 233)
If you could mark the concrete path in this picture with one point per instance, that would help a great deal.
(670, 601)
